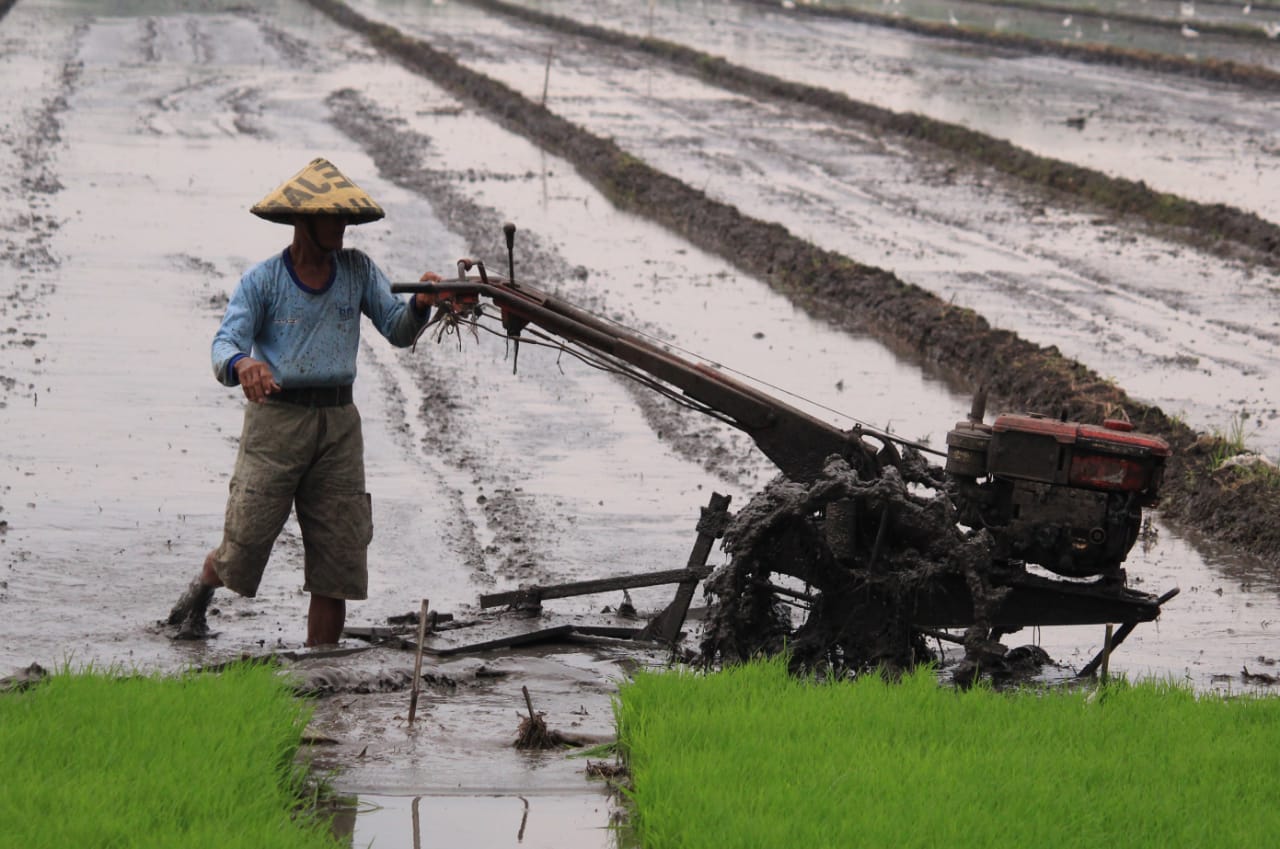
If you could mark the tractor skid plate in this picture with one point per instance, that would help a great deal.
(1032, 600)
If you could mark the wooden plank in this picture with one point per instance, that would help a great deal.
(388, 632)
(600, 585)
(621, 642)
(524, 638)
(370, 632)
(667, 624)
(619, 631)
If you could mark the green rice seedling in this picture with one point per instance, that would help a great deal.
(601, 750)
(752, 757)
(95, 759)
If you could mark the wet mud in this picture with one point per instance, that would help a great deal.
(1217, 227)
(957, 341)
(331, 680)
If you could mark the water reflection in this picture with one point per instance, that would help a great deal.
(1153, 30)
(1219, 624)
(579, 821)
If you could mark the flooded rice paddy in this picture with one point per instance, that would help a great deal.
(138, 135)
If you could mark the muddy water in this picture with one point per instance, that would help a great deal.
(1180, 29)
(1210, 142)
(139, 140)
(1112, 298)
(538, 821)
(1176, 10)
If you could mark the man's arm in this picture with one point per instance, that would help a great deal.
(233, 342)
(397, 320)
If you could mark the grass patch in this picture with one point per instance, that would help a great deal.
(1229, 443)
(751, 757)
(96, 759)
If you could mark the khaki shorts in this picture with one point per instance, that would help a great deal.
(311, 458)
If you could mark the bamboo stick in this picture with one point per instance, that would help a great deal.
(417, 662)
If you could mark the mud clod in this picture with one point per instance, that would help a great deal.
(534, 734)
(331, 680)
(614, 773)
(1263, 678)
(23, 678)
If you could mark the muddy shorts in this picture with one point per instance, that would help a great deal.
(311, 458)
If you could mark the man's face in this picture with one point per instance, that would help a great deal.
(327, 230)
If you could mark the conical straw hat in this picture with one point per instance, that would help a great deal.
(318, 189)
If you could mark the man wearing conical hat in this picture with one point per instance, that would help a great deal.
(289, 341)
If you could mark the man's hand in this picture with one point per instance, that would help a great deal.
(422, 300)
(255, 379)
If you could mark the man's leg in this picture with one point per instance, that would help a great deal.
(334, 514)
(325, 620)
(261, 494)
(208, 574)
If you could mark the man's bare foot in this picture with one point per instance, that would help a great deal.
(195, 626)
(197, 595)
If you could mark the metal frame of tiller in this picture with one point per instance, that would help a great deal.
(798, 443)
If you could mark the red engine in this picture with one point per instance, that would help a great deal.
(1064, 495)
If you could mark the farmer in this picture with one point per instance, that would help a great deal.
(289, 340)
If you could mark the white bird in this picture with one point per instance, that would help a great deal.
(951, 16)
(1271, 29)
(1187, 10)
(1066, 22)
(1106, 27)
(1188, 32)
(1248, 7)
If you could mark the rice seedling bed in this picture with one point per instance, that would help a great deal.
(752, 757)
(93, 758)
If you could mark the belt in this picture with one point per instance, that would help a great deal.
(315, 396)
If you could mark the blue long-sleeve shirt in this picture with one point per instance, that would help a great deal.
(309, 337)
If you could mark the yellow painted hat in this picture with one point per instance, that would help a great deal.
(318, 189)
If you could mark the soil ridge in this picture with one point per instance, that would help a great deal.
(1236, 506)
(1217, 228)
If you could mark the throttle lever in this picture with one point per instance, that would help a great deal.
(512, 324)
